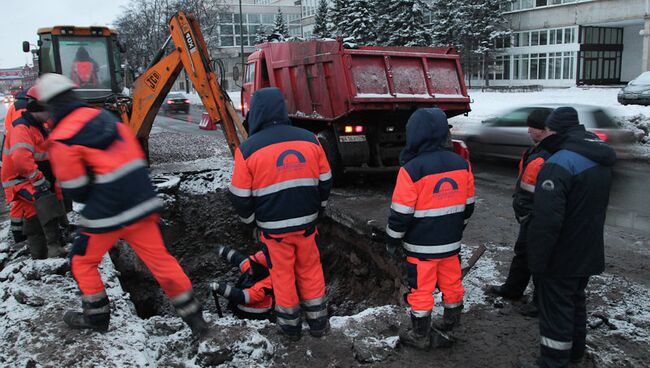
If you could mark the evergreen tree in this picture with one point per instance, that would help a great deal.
(338, 17)
(280, 25)
(359, 22)
(404, 24)
(320, 26)
(472, 26)
(261, 35)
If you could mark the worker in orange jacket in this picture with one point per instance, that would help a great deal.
(252, 296)
(99, 162)
(281, 182)
(431, 204)
(14, 111)
(28, 182)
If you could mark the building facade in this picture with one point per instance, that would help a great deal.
(558, 43)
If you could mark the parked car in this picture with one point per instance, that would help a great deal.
(506, 136)
(637, 92)
(175, 102)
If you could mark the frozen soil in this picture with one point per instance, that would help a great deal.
(364, 288)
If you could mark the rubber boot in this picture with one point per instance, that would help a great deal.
(191, 312)
(54, 240)
(450, 318)
(418, 335)
(35, 238)
(96, 313)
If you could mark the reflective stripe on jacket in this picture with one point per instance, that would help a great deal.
(529, 167)
(24, 156)
(99, 162)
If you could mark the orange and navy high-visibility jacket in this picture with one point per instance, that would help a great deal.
(14, 112)
(99, 162)
(25, 158)
(529, 167)
(281, 178)
(434, 193)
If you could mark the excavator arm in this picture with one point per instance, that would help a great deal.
(190, 53)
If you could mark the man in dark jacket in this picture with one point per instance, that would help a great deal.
(565, 238)
(432, 202)
(530, 165)
(281, 182)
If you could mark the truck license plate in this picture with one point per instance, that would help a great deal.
(352, 138)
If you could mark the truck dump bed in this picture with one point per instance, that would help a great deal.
(322, 80)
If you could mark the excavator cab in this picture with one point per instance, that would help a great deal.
(90, 56)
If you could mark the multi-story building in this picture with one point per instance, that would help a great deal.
(559, 43)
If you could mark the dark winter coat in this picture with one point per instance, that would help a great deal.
(565, 235)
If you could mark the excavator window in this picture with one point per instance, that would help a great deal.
(85, 61)
(46, 55)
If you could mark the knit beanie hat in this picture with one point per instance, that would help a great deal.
(562, 118)
(537, 118)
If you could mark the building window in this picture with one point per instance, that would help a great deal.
(568, 65)
(501, 67)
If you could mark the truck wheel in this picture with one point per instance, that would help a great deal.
(328, 141)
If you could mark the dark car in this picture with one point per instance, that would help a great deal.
(506, 136)
(637, 92)
(176, 102)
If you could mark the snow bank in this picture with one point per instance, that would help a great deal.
(489, 104)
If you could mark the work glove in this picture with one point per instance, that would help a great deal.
(394, 249)
(219, 287)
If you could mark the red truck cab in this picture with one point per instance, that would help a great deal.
(357, 100)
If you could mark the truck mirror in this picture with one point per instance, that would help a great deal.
(25, 46)
(235, 73)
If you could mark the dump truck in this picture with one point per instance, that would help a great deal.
(357, 100)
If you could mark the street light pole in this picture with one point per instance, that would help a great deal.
(241, 37)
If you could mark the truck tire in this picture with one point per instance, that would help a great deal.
(328, 141)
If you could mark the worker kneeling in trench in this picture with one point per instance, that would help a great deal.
(252, 295)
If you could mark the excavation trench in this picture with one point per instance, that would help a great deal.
(357, 274)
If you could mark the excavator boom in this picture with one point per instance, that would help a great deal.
(190, 53)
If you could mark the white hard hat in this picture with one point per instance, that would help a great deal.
(50, 85)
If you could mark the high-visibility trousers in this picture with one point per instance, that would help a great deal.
(297, 276)
(146, 240)
(424, 274)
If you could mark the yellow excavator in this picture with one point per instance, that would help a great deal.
(90, 56)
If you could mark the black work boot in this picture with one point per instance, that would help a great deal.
(418, 335)
(35, 238)
(54, 240)
(96, 313)
(191, 312)
(502, 291)
(450, 318)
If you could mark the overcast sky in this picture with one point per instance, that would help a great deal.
(21, 19)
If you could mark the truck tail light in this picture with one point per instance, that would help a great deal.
(602, 135)
(349, 129)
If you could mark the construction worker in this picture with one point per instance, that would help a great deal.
(529, 166)
(281, 182)
(565, 235)
(99, 162)
(431, 204)
(84, 70)
(14, 111)
(252, 296)
(28, 183)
